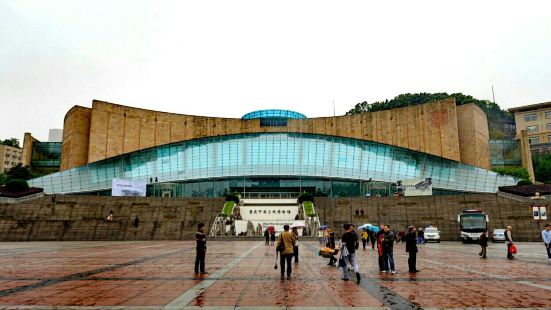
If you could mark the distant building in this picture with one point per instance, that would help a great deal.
(535, 119)
(9, 157)
(55, 135)
(41, 157)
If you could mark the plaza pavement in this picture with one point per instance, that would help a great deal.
(159, 274)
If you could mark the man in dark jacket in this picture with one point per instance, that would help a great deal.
(349, 240)
(411, 248)
(201, 249)
(483, 241)
(388, 250)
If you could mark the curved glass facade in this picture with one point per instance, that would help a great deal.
(273, 114)
(274, 156)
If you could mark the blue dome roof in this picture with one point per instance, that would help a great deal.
(273, 113)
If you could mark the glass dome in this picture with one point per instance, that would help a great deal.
(273, 113)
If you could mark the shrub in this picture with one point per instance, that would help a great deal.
(228, 207)
(309, 208)
(305, 197)
(519, 172)
(17, 185)
(524, 182)
(232, 197)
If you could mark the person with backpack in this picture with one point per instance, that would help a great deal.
(348, 251)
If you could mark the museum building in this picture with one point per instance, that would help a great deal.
(275, 153)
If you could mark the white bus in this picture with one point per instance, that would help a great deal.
(472, 223)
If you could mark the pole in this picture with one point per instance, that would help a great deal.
(493, 95)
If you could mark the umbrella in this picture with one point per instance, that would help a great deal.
(299, 224)
(373, 228)
(365, 226)
(323, 226)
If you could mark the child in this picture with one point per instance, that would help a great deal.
(483, 244)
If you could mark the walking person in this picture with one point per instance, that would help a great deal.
(294, 231)
(349, 240)
(201, 249)
(320, 236)
(411, 248)
(272, 236)
(365, 238)
(546, 236)
(509, 241)
(483, 241)
(286, 241)
(388, 250)
(331, 245)
(421, 236)
(373, 239)
(267, 236)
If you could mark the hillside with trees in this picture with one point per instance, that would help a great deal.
(500, 122)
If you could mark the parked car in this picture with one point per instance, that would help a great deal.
(432, 234)
(498, 235)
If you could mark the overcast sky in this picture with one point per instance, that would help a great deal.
(227, 58)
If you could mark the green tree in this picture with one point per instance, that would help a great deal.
(542, 167)
(10, 142)
(19, 172)
(519, 172)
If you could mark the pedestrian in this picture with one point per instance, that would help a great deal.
(411, 248)
(325, 235)
(294, 231)
(483, 241)
(320, 236)
(380, 236)
(136, 221)
(509, 241)
(286, 241)
(201, 249)
(402, 235)
(365, 238)
(388, 250)
(110, 216)
(546, 236)
(373, 239)
(421, 236)
(272, 236)
(349, 240)
(331, 245)
(267, 236)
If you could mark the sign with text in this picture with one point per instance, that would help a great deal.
(415, 187)
(540, 213)
(122, 187)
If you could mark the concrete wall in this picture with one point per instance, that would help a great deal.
(83, 217)
(116, 129)
(472, 126)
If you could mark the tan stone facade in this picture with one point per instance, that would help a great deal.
(536, 121)
(108, 130)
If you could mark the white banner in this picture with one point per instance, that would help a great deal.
(536, 212)
(543, 213)
(122, 187)
(415, 187)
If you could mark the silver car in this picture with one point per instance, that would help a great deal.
(498, 235)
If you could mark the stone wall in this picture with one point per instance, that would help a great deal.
(115, 129)
(83, 217)
(439, 211)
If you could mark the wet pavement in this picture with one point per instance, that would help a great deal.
(159, 274)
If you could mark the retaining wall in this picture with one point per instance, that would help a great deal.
(83, 217)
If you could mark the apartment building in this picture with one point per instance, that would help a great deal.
(535, 119)
(9, 157)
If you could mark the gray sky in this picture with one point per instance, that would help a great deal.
(227, 58)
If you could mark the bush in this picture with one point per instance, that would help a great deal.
(17, 185)
(518, 172)
(232, 197)
(305, 197)
(228, 207)
(309, 208)
(524, 182)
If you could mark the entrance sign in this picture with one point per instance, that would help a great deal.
(415, 187)
(122, 187)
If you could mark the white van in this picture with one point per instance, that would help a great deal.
(432, 234)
